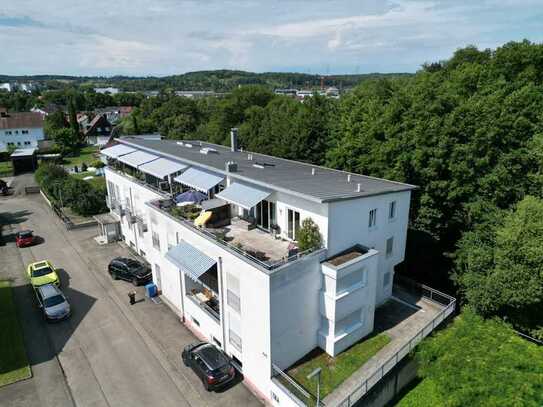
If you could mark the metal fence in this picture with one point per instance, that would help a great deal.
(295, 390)
(427, 293)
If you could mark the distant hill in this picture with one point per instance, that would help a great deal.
(219, 80)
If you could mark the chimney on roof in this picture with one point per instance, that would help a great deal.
(358, 187)
(234, 139)
(312, 171)
(348, 177)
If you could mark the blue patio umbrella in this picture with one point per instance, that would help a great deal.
(191, 196)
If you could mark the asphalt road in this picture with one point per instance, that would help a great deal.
(105, 354)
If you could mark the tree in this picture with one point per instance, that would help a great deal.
(481, 363)
(66, 140)
(53, 122)
(308, 236)
(499, 267)
(74, 125)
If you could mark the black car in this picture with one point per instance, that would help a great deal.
(129, 270)
(211, 364)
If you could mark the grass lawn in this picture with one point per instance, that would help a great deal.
(336, 370)
(98, 182)
(5, 167)
(13, 362)
(87, 155)
(422, 395)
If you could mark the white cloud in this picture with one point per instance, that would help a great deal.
(145, 37)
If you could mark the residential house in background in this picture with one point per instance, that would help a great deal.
(114, 114)
(96, 131)
(110, 90)
(229, 264)
(20, 130)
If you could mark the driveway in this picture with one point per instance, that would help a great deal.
(110, 353)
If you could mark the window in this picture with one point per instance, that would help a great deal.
(156, 240)
(232, 292)
(234, 340)
(25, 132)
(386, 279)
(195, 321)
(390, 246)
(372, 221)
(234, 337)
(18, 143)
(233, 301)
(16, 131)
(392, 210)
(27, 143)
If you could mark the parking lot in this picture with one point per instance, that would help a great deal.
(107, 353)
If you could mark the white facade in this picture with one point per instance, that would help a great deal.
(275, 316)
(20, 137)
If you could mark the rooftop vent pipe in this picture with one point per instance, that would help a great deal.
(348, 177)
(312, 171)
(234, 139)
(358, 187)
(231, 166)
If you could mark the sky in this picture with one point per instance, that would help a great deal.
(166, 37)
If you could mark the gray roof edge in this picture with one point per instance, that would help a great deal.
(353, 195)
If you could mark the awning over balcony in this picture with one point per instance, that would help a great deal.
(137, 158)
(162, 167)
(190, 260)
(199, 179)
(117, 151)
(243, 195)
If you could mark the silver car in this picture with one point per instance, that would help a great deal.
(53, 302)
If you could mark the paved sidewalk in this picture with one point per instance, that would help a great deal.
(110, 353)
(401, 318)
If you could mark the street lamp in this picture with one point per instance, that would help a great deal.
(316, 372)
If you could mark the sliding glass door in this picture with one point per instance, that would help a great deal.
(265, 214)
(293, 223)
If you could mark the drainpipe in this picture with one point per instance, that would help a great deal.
(221, 289)
(131, 225)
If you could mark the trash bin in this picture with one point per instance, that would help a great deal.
(150, 290)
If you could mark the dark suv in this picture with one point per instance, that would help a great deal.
(211, 364)
(129, 270)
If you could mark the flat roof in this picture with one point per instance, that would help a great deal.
(312, 182)
(23, 152)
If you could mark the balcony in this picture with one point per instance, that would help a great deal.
(147, 181)
(235, 234)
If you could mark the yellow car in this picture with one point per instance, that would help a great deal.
(42, 272)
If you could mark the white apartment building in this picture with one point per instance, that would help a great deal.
(20, 130)
(240, 280)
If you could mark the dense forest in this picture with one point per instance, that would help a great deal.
(218, 81)
(468, 131)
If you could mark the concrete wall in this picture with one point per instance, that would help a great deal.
(33, 136)
(295, 316)
(348, 225)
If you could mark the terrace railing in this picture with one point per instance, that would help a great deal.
(265, 264)
(293, 389)
(428, 293)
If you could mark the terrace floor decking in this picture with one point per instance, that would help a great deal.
(256, 240)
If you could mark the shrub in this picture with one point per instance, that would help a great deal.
(309, 236)
(97, 164)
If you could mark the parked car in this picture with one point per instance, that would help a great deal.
(52, 302)
(4, 189)
(130, 270)
(24, 238)
(211, 364)
(42, 272)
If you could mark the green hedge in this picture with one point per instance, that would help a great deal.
(82, 197)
